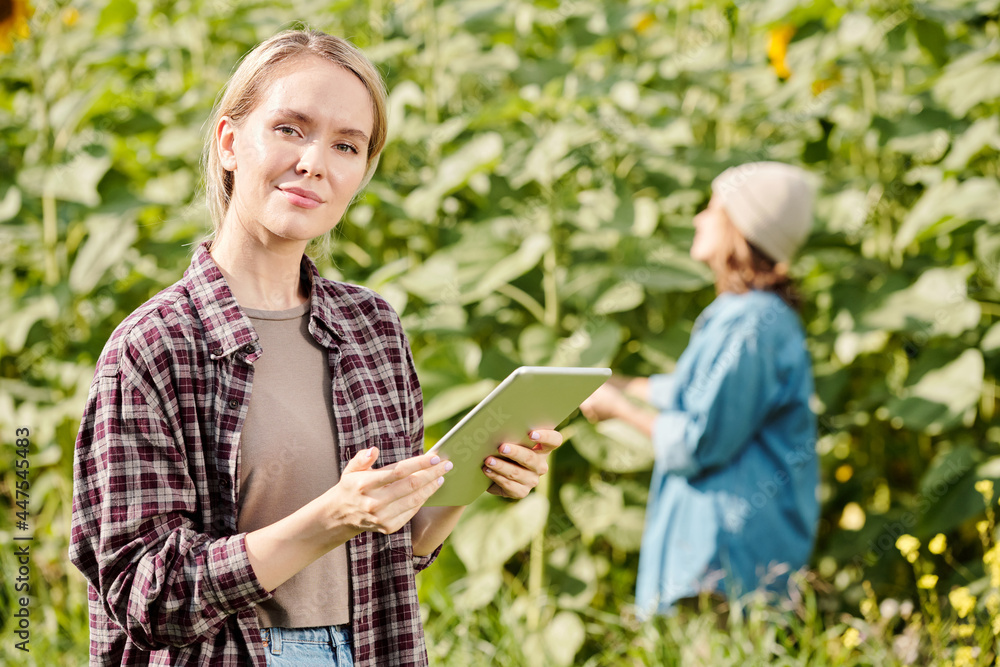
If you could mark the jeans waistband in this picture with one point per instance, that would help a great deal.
(334, 635)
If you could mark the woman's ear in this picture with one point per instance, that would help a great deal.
(225, 134)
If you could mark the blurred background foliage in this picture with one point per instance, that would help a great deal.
(533, 206)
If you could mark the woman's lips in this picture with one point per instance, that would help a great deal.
(301, 198)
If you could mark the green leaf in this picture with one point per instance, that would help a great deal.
(116, 17)
(935, 305)
(594, 508)
(507, 269)
(943, 397)
(11, 204)
(451, 402)
(74, 181)
(984, 133)
(947, 206)
(613, 445)
(620, 298)
(15, 326)
(595, 343)
(477, 589)
(991, 339)
(573, 575)
(626, 532)
(109, 240)
(948, 496)
(564, 636)
(453, 172)
(492, 530)
(932, 38)
(970, 80)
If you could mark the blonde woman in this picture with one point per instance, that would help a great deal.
(732, 505)
(249, 472)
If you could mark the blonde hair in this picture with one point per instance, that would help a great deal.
(248, 85)
(740, 266)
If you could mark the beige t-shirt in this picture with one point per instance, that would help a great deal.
(288, 457)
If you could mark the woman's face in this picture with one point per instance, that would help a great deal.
(299, 157)
(710, 229)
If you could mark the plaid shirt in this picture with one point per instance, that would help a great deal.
(156, 475)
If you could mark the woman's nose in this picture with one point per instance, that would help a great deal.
(311, 162)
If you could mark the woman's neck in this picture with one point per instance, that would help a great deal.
(261, 277)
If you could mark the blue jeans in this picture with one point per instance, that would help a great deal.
(328, 646)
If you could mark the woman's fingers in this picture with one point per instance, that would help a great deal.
(546, 440)
(517, 469)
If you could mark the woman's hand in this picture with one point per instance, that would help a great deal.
(607, 402)
(516, 469)
(382, 500)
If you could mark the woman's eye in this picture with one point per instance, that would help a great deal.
(287, 131)
(346, 148)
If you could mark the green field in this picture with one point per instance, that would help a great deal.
(533, 206)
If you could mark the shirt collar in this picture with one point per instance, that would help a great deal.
(227, 328)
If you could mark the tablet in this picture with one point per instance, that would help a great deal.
(531, 397)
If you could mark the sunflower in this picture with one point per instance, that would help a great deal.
(777, 47)
(14, 15)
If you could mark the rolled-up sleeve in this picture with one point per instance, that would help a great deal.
(415, 417)
(135, 525)
(662, 390)
(712, 416)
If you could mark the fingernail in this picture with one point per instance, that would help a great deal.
(505, 449)
(440, 481)
(435, 460)
(533, 435)
(448, 465)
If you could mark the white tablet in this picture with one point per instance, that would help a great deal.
(531, 397)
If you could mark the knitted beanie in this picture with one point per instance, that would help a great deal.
(770, 203)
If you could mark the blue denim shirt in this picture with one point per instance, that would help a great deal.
(734, 484)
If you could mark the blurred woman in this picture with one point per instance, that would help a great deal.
(249, 473)
(732, 505)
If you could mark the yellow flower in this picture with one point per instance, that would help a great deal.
(965, 657)
(777, 48)
(645, 22)
(963, 631)
(983, 527)
(14, 16)
(868, 607)
(928, 581)
(909, 546)
(851, 638)
(992, 559)
(962, 601)
(938, 544)
(993, 603)
(70, 16)
(985, 487)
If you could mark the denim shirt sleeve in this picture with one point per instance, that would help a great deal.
(662, 389)
(718, 395)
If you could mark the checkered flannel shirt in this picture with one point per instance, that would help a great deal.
(156, 475)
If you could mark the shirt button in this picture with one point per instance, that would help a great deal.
(218, 352)
(248, 349)
(234, 404)
(224, 483)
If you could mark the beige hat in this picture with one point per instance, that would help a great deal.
(770, 203)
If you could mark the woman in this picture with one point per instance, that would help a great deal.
(249, 473)
(732, 503)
